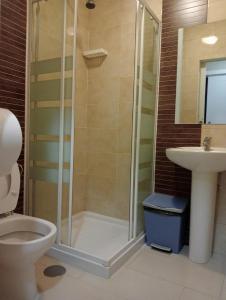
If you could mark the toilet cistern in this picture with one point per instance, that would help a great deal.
(10, 141)
(10, 148)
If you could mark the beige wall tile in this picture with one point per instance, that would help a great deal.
(126, 88)
(217, 132)
(102, 164)
(109, 108)
(216, 10)
(101, 140)
(103, 88)
(125, 115)
(156, 6)
(80, 162)
(79, 193)
(124, 140)
(80, 115)
(100, 195)
(102, 115)
(81, 141)
(123, 183)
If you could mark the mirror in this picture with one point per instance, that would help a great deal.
(201, 74)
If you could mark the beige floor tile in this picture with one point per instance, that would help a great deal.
(148, 275)
(206, 278)
(71, 289)
(44, 283)
(47, 261)
(133, 285)
(223, 291)
(189, 294)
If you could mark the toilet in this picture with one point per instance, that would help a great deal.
(23, 239)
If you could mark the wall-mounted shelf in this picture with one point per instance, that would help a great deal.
(89, 54)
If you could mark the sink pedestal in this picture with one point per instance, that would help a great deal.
(203, 200)
(205, 165)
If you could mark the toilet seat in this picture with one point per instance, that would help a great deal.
(9, 202)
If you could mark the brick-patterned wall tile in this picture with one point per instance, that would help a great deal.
(12, 64)
(172, 179)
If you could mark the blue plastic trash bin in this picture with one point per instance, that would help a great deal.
(165, 221)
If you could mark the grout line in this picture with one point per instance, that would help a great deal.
(221, 289)
(179, 284)
(201, 293)
(182, 292)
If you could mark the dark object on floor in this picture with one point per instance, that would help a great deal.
(165, 219)
(54, 271)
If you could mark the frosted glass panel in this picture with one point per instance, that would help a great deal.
(48, 151)
(51, 64)
(147, 123)
(46, 121)
(48, 175)
(147, 128)
(48, 90)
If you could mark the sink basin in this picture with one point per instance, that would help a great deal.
(205, 166)
(196, 159)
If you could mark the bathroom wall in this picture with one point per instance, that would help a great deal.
(170, 178)
(80, 150)
(156, 7)
(104, 108)
(217, 12)
(167, 175)
(109, 109)
(12, 64)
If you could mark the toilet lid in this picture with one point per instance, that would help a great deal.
(9, 190)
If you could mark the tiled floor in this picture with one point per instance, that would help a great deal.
(147, 275)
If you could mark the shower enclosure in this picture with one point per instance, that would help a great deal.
(92, 81)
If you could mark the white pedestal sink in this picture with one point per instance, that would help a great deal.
(204, 166)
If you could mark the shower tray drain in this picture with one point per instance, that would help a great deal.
(54, 271)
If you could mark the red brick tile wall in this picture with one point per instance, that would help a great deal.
(169, 178)
(12, 64)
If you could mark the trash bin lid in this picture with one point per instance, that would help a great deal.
(166, 202)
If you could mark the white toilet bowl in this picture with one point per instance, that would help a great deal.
(23, 240)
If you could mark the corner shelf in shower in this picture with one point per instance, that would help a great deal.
(89, 54)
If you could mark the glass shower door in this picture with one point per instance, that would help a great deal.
(146, 114)
(50, 132)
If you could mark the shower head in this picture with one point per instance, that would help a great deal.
(90, 4)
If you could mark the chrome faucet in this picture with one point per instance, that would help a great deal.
(206, 143)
